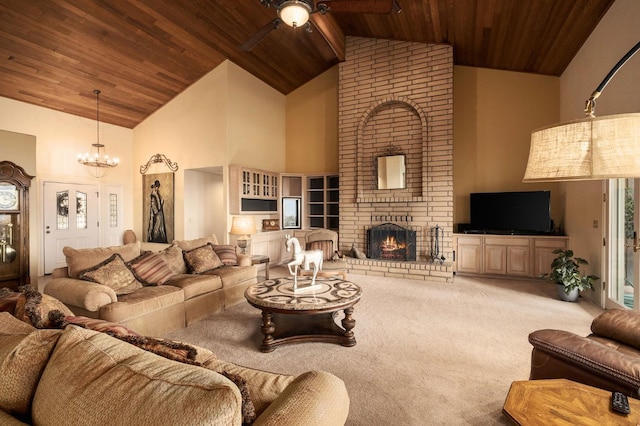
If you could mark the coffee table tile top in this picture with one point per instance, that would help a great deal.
(278, 293)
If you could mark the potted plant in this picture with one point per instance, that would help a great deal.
(565, 271)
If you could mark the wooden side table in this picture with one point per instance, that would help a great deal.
(260, 259)
(564, 402)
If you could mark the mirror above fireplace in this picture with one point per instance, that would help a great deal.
(391, 172)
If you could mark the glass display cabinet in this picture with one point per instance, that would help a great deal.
(14, 225)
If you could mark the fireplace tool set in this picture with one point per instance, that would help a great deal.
(436, 234)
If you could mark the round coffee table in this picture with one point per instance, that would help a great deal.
(289, 317)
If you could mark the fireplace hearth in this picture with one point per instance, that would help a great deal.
(391, 242)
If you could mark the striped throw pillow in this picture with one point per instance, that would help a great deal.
(151, 269)
(326, 246)
(227, 254)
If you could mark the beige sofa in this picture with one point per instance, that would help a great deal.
(152, 310)
(78, 376)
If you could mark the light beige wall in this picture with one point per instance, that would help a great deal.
(59, 137)
(255, 122)
(312, 125)
(614, 36)
(494, 114)
(227, 117)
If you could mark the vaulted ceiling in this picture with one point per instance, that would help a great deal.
(143, 53)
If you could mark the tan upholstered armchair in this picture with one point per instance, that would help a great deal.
(327, 241)
(609, 358)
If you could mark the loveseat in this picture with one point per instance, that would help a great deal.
(79, 376)
(153, 292)
(608, 358)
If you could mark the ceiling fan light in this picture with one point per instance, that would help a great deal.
(294, 13)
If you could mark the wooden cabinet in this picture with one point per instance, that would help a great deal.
(14, 225)
(270, 243)
(505, 255)
(322, 202)
(253, 191)
(469, 254)
(543, 252)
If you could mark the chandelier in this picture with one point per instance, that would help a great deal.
(97, 163)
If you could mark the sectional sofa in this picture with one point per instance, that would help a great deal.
(153, 292)
(80, 376)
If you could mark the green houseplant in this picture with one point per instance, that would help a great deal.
(565, 271)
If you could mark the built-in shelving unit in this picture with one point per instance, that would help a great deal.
(253, 191)
(322, 201)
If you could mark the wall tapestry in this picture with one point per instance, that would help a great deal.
(158, 207)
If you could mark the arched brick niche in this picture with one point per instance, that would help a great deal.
(392, 125)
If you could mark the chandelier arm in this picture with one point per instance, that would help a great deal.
(590, 104)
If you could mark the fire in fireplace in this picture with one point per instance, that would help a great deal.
(391, 242)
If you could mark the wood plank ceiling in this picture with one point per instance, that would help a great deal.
(143, 53)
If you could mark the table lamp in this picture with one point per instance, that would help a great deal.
(244, 226)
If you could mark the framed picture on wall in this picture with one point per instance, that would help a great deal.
(158, 207)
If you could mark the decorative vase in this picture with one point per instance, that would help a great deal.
(571, 297)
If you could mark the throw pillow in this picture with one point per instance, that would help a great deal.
(113, 273)
(248, 409)
(227, 254)
(172, 255)
(79, 260)
(24, 356)
(8, 300)
(165, 348)
(151, 269)
(39, 310)
(202, 259)
(111, 328)
(198, 242)
(326, 246)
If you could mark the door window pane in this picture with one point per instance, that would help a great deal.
(62, 214)
(113, 210)
(81, 214)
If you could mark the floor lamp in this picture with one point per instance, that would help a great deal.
(591, 148)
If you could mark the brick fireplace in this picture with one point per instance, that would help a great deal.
(397, 97)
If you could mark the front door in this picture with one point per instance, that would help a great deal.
(70, 219)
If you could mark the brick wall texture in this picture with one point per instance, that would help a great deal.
(397, 97)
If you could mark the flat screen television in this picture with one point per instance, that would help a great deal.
(527, 212)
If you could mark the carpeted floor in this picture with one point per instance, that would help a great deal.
(426, 353)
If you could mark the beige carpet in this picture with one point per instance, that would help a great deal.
(426, 354)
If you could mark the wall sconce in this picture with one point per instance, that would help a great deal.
(245, 226)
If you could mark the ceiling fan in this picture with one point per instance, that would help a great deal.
(295, 13)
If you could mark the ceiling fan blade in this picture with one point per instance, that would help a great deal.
(253, 41)
(359, 6)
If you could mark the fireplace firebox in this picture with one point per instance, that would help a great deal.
(391, 242)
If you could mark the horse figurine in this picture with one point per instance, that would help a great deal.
(305, 259)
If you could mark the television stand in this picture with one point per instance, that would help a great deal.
(525, 256)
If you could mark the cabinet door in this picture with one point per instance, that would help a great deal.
(495, 260)
(469, 255)
(518, 260)
(543, 254)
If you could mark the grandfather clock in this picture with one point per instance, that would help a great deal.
(14, 225)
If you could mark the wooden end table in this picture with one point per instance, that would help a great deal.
(289, 317)
(564, 402)
(260, 259)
